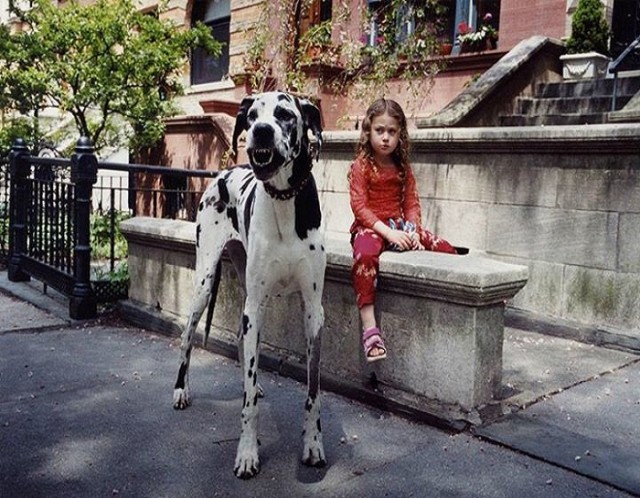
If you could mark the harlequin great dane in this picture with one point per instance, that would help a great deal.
(268, 217)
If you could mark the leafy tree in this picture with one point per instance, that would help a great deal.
(589, 29)
(105, 64)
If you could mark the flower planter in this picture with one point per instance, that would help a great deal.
(446, 48)
(584, 66)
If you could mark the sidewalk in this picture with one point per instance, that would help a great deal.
(85, 411)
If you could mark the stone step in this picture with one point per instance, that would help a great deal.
(582, 105)
(553, 119)
(588, 88)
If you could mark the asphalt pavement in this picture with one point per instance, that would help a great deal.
(86, 411)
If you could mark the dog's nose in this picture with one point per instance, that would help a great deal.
(262, 134)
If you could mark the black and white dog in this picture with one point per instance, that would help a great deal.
(268, 217)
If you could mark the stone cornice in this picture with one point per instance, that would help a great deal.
(586, 139)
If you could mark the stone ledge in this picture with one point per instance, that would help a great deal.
(470, 280)
(442, 317)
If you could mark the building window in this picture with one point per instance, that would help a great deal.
(472, 14)
(318, 12)
(216, 14)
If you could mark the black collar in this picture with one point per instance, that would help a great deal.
(288, 193)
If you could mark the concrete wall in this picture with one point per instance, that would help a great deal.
(565, 201)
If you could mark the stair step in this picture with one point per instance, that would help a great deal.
(570, 105)
(588, 88)
(552, 119)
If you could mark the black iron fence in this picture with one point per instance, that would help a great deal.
(4, 213)
(63, 211)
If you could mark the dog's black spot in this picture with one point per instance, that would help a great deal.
(255, 400)
(315, 287)
(308, 405)
(221, 204)
(232, 214)
(304, 431)
(200, 206)
(245, 324)
(198, 229)
(318, 425)
(250, 373)
(244, 400)
(248, 209)
(308, 214)
(252, 361)
(182, 372)
(202, 282)
(312, 247)
(248, 179)
(293, 141)
(322, 248)
(255, 378)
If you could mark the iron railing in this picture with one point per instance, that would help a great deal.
(4, 213)
(51, 201)
(614, 68)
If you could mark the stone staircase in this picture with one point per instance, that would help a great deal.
(571, 102)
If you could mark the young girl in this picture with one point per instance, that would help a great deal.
(384, 200)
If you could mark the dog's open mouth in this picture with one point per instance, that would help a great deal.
(261, 157)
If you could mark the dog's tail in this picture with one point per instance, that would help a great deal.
(212, 302)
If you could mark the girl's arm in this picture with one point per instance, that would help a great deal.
(359, 195)
(411, 204)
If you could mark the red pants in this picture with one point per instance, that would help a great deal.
(367, 247)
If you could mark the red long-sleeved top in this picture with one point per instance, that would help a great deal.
(377, 194)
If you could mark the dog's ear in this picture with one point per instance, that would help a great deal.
(241, 122)
(312, 121)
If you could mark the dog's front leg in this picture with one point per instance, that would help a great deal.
(313, 449)
(247, 461)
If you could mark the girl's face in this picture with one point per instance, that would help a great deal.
(384, 137)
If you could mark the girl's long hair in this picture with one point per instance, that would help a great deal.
(392, 108)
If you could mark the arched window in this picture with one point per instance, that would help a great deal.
(216, 14)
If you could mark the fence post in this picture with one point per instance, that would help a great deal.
(19, 199)
(84, 173)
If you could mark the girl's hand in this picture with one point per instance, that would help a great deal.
(415, 241)
(401, 239)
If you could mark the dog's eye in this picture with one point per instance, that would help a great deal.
(252, 116)
(282, 114)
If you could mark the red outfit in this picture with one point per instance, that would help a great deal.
(377, 194)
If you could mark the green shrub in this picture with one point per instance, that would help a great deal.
(589, 29)
(101, 235)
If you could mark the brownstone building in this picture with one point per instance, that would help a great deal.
(218, 84)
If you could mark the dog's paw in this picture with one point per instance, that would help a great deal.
(247, 465)
(313, 454)
(180, 398)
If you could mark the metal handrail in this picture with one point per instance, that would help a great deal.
(613, 68)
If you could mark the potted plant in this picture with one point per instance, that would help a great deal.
(588, 45)
(444, 45)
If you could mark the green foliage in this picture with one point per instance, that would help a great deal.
(20, 127)
(589, 29)
(106, 64)
(347, 63)
(101, 235)
(120, 273)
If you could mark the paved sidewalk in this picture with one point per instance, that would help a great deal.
(85, 411)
